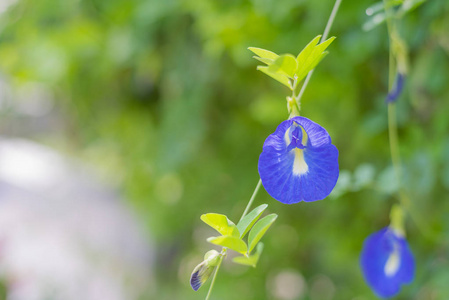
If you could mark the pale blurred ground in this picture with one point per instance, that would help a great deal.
(63, 235)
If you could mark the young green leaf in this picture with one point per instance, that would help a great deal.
(375, 8)
(374, 21)
(248, 221)
(311, 56)
(305, 53)
(315, 62)
(276, 76)
(252, 259)
(259, 230)
(408, 6)
(319, 49)
(263, 53)
(230, 242)
(285, 65)
(221, 223)
(264, 60)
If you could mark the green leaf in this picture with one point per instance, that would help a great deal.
(375, 8)
(312, 54)
(259, 230)
(252, 259)
(374, 21)
(263, 53)
(364, 176)
(305, 53)
(264, 60)
(279, 77)
(408, 6)
(221, 223)
(387, 181)
(230, 242)
(315, 62)
(285, 65)
(344, 184)
(248, 221)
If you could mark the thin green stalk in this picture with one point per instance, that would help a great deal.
(248, 206)
(327, 29)
(323, 38)
(394, 142)
(404, 199)
(223, 253)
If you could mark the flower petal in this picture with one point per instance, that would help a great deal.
(317, 135)
(306, 173)
(387, 262)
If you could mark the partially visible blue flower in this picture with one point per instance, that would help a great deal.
(298, 162)
(396, 90)
(387, 262)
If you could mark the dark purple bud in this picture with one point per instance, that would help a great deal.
(396, 90)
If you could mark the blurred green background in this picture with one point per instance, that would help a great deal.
(164, 99)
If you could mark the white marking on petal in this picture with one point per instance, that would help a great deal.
(287, 137)
(304, 137)
(299, 165)
(393, 263)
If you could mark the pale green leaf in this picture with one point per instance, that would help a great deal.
(259, 230)
(263, 53)
(323, 46)
(387, 181)
(312, 54)
(305, 53)
(375, 8)
(312, 64)
(248, 221)
(250, 260)
(408, 6)
(230, 242)
(264, 60)
(344, 184)
(279, 77)
(221, 224)
(364, 176)
(284, 64)
(374, 21)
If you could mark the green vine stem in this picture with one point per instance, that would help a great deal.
(297, 100)
(404, 199)
(323, 38)
(256, 190)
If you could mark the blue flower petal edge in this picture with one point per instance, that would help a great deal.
(298, 162)
(387, 262)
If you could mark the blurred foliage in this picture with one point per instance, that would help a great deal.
(164, 97)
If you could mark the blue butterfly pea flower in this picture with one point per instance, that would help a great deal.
(298, 162)
(387, 262)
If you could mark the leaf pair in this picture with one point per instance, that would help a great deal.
(286, 68)
(232, 235)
